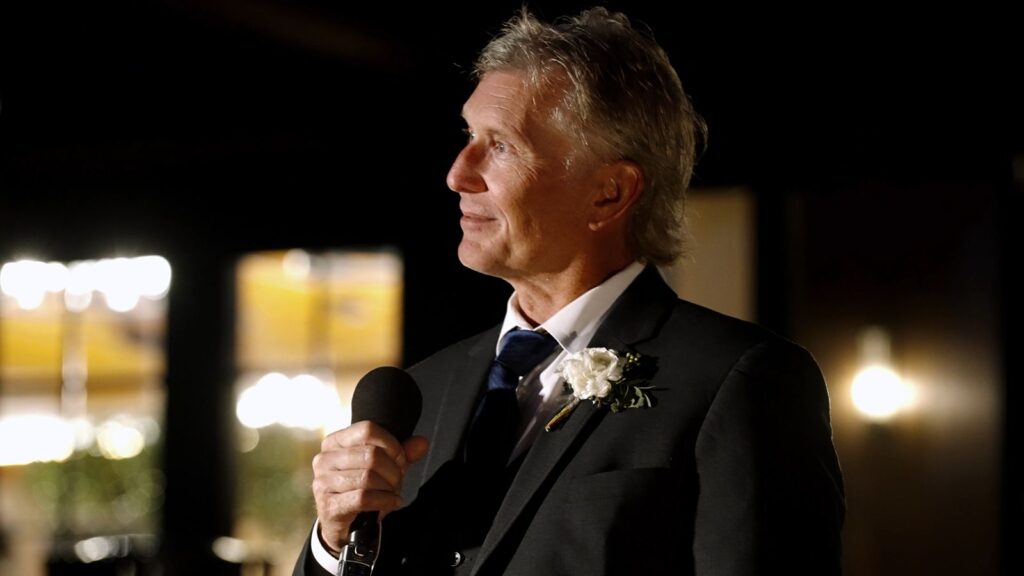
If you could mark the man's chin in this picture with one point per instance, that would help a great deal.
(478, 261)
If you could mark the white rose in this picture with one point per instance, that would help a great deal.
(591, 372)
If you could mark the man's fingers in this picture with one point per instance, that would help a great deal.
(416, 448)
(361, 434)
(359, 469)
(340, 482)
(337, 511)
(344, 507)
(358, 458)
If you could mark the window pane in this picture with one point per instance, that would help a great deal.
(309, 327)
(81, 400)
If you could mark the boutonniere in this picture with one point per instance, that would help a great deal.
(606, 378)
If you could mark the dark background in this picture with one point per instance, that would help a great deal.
(879, 144)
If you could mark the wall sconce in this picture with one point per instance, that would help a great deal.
(879, 393)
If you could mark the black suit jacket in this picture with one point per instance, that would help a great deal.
(731, 472)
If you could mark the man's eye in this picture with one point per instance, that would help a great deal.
(500, 147)
(469, 133)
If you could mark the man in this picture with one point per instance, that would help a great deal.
(571, 185)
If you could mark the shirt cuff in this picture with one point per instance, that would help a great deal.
(320, 553)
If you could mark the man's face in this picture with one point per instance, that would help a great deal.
(524, 209)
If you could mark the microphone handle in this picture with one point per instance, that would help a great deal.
(360, 554)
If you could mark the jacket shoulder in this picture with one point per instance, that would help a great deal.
(713, 344)
(444, 359)
(723, 331)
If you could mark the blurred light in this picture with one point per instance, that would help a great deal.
(118, 284)
(35, 438)
(55, 277)
(30, 300)
(118, 439)
(84, 432)
(122, 281)
(879, 393)
(296, 263)
(154, 275)
(308, 403)
(77, 302)
(82, 277)
(257, 406)
(26, 281)
(304, 401)
(102, 547)
(248, 439)
(94, 549)
(82, 282)
(150, 430)
(342, 419)
(231, 549)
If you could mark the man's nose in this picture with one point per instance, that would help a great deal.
(464, 175)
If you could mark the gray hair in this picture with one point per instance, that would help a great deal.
(622, 100)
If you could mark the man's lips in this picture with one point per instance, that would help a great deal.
(475, 217)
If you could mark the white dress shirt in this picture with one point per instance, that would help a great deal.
(540, 393)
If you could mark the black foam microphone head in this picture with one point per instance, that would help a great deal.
(389, 397)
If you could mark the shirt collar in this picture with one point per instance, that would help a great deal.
(575, 324)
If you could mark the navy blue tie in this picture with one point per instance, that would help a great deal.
(492, 435)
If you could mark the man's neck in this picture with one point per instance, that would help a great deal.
(540, 296)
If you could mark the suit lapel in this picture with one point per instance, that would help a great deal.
(460, 396)
(635, 317)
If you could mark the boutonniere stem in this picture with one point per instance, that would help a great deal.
(562, 414)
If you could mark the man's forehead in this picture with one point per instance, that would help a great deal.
(510, 92)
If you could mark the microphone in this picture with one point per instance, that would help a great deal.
(389, 397)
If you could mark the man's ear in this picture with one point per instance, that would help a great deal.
(619, 186)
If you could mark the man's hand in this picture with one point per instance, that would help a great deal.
(359, 469)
